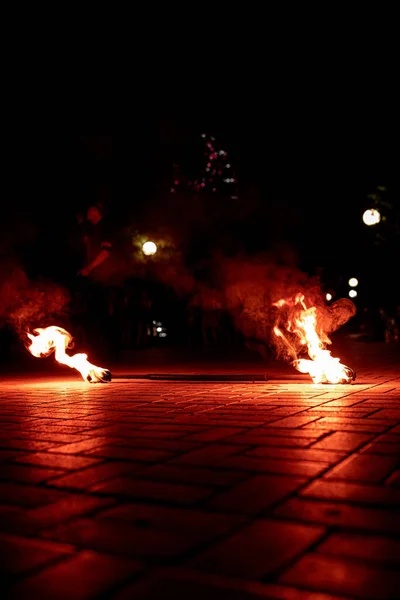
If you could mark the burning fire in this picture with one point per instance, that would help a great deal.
(303, 323)
(58, 340)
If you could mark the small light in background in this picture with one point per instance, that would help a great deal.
(159, 330)
(371, 217)
(352, 293)
(353, 282)
(328, 297)
(149, 248)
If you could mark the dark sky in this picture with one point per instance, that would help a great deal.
(316, 138)
(305, 99)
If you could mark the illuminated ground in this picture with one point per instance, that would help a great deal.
(227, 490)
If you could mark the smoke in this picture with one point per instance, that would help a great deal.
(309, 304)
(26, 304)
(248, 287)
(251, 286)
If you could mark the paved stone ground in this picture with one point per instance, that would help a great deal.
(152, 490)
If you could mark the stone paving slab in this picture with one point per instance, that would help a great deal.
(159, 489)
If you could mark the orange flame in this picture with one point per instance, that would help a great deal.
(58, 340)
(302, 322)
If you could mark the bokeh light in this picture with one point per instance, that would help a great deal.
(372, 216)
(352, 293)
(149, 248)
(328, 297)
(353, 282)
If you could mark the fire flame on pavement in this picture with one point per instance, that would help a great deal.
(303, 323)
(58, 340)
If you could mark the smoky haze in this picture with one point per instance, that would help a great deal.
(247, 287)
(26, 304)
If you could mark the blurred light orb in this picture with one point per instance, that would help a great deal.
(371, 216)
(328, 297)
(352, 293)
(353, 282)
(149, 248)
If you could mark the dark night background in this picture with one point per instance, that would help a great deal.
(307, 145)
(310, 166)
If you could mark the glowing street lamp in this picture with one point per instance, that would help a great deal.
(372, 216)
(352, 293)
(353, 282)
(149, 248)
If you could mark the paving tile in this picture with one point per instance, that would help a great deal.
(189, 583)
(57, 461)
(122, 537)
(25, 444)
(388, 414)
(362, 547)
(224, 420)
(73, 505)
(135, 454)
(365, 468)
(208, 455)
(214, 434)
(27, 495)
(351, 401)
(393, 479)
(293, 422)
(255, 439)
(256, 493)
(342, 441)
(308, 454)
(50, 436)
(340, 515)
(82, 576)
(352, 492)
(21, 555)
(259, 549)
(305, 434)
(155, 429)
(26, 474)
(340, 411)
(204, 525)
(352, 425)
(384, 448)
(339, 576)
(154, 490)
(126, 433)
(8, 454)
(159, 587)
(81, 446)
(271, 465)
(171, 445)
(189, 474)
(83, 480)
